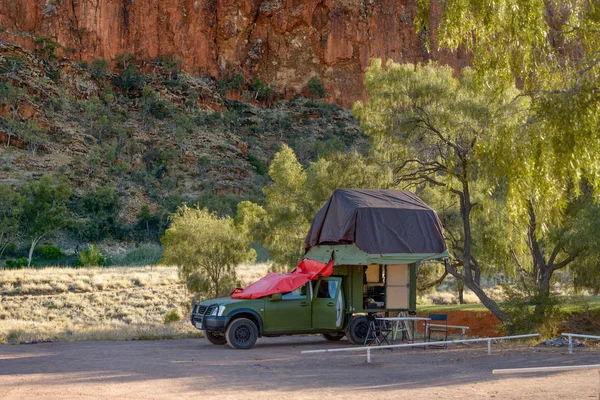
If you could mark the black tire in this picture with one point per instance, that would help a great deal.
(334, 336)
(357, 329)
(215, 338)
(241, 333)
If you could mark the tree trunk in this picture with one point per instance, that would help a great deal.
(34, 243)
(472, 275)
(461, 291)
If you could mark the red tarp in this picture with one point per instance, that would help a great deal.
(307, 270)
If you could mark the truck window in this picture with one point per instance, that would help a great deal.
(295, 294)
(327, 289)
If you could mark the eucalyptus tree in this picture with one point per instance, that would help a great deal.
(44, 210)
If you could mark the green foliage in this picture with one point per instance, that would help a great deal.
(98, 68)
(91, 257)
(45, 209)
(206, 248)
(46, 47)
(315, 87)
(50, 252)
(258, 165)
(440, 133)
(98, 212)
(16, 264)
(11, 210)
(237, 81)
(552, 49)
(152, 105)
(296, 194)
(523, 313)
(129, 77)
(171, 316)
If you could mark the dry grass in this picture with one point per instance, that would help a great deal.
(119, 303)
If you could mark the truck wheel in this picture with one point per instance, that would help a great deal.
(215, 338)
(241, 333)
(358, 329)
(334, 336)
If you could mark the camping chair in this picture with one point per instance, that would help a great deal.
(378, 331)
(439, 327)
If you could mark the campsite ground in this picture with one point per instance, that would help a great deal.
(274, 368)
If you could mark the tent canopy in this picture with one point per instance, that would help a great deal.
(378, 222)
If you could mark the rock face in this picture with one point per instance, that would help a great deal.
(280, 41)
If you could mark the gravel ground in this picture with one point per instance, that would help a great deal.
(274, 369)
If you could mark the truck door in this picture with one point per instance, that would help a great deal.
(328, 304)
(289, 313)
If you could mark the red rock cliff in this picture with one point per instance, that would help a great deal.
(281, 41)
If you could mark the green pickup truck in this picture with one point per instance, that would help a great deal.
(376, 238)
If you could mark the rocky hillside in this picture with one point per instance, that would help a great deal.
(154, 139)
(284, 42)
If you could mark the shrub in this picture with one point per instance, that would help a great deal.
(238, 81)
(260, 167)
(171, 316)
(98, 68)
(315, 87)
(91, 257)
(45, 47)
(16, 264)
(50, 252)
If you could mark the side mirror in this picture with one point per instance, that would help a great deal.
(275, 297)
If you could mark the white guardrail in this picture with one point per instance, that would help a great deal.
(420, 344)
(543, 369)
(572, 335)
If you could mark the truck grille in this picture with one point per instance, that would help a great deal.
(201, 310)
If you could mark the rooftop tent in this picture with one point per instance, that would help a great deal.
(377, 226)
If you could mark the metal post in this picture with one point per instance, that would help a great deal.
(489, 347)
(570, 344)
(368, 356)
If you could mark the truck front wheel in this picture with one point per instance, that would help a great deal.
(215, 338)
(333, 336)
(241, 333)
(358, 329)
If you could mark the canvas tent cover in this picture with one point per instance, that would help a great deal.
(378, 222)
(307, 270)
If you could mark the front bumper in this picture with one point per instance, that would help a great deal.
(201, 319)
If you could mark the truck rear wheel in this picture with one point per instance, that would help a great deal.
(334, 336)
(241, 333)
(215, 338)
(358, 329)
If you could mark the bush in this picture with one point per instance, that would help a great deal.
(171, 316)
(50, 252)
(527, 313)
(16, 264)
(98, 69)
(91, 257)
(316, 90)
(260, 167)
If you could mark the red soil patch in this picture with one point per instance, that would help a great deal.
(480, 323)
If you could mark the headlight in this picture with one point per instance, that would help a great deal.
(217, 311)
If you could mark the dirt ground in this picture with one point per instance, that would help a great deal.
(274, 369)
